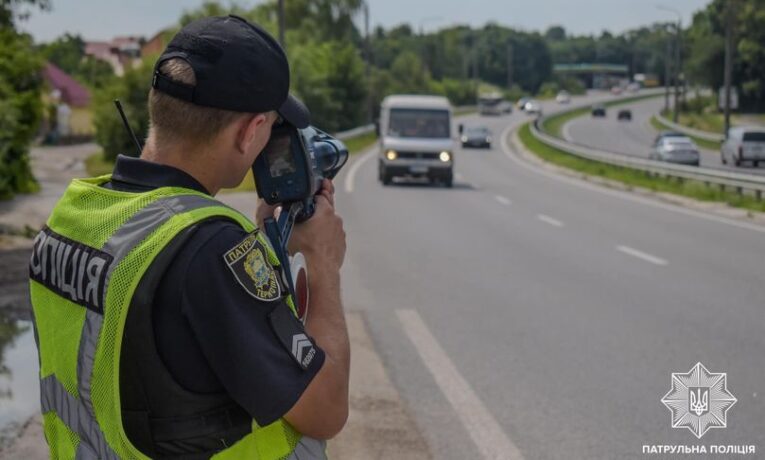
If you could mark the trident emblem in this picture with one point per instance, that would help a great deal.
(698, 400)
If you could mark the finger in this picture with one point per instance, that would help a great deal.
(329, 197)
(330, 186)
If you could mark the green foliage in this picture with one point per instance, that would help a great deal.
(20, 110)
(132, 90)
(635, 178)
(12, 10)
(329, 78)
(68, 53)
(706, 38)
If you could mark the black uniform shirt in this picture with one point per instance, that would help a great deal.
(210, 332)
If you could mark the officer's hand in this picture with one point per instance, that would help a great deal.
(264, 211)
(321, 238)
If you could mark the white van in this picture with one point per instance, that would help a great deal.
(744, 143)
(416, 138)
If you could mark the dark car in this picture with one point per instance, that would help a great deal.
(624, 114)
(478, 136)
(599, 110)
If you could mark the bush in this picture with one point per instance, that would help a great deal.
(20, 111)
(133, 91)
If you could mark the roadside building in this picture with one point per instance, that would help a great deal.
(120, 52)
(68, 106)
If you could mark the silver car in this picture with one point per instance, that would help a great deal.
(744, 144)
(681, 150)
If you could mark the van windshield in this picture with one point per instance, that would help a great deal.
(754, 136)
(420, 123)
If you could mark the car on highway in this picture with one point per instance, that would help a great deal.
(563, 97)
(664, 134)
(744, 143)
(598, 110)
(476, 136)
(416, 139)
(532, 107)
(674, 149)
(521, 104)
(616, 90)
(624, 114)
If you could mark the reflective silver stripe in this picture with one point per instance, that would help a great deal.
(75, 415)
(309, 449)
(78, 414)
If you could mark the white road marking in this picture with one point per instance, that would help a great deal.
(642, 255)
(480, 424)
(351, 177)
(619, 194)
(503, 200)
(550, 220)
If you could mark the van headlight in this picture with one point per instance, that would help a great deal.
(445, 156)
(463, 138)
(391, 155)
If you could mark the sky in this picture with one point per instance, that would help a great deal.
(104, 19)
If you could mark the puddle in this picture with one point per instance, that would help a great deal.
(19, 381)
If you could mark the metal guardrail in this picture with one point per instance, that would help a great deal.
(358, 131)
(706, 135)
(712, 177)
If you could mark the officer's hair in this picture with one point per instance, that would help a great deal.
(174, 120)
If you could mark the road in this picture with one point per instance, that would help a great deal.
(524, 315)
(634, 137)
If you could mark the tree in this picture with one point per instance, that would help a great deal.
(68, 53)
(20, 104)
(329, 78)
(132, 90)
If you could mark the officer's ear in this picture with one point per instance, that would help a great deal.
(251, 130)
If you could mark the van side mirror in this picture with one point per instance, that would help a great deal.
(377, 128)
(460, 128)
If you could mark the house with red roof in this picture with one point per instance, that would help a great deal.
(72, 92)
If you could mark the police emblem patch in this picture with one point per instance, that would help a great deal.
(249, 263)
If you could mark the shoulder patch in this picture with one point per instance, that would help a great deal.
(248, 261)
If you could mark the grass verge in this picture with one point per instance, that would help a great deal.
(703, 143)
(635, 178)
(96, 165)
(465, 111)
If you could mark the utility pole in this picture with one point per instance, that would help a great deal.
(676, 72)
(666, 75)
(509, 65)
(678, 29)
(282, 25)
(368, 66)
(727, 76)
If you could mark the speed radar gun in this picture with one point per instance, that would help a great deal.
(289, 172)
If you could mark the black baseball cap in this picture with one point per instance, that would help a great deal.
(238, 67)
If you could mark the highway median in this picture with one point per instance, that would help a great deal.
(632, 178)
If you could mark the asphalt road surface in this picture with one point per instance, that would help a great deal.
(524, 315)
(634, 137)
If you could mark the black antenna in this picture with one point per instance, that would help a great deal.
(127, 126)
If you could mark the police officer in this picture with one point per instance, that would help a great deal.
(163, 325)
